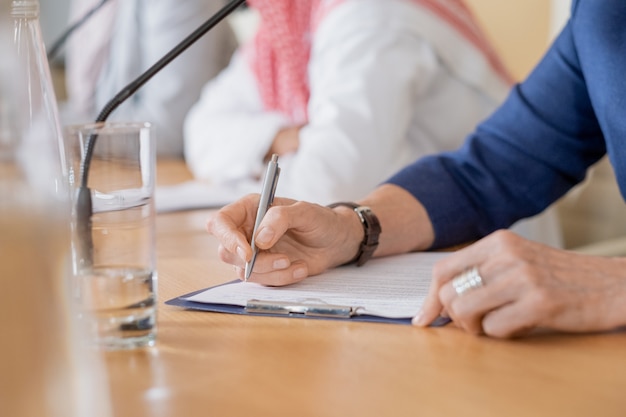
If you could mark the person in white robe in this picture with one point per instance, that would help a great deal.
(347, 92)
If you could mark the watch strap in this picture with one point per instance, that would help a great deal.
(371, 229)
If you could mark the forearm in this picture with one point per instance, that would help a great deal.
(404, 222)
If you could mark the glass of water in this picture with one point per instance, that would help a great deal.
(112, 169)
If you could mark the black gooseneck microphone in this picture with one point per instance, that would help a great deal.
(56, 46)
(84, 209)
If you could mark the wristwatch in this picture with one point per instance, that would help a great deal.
(371, 229)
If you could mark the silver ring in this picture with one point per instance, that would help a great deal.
(467, 280)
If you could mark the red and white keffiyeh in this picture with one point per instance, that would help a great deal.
(279, 52)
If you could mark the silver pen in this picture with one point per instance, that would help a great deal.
(267, 197)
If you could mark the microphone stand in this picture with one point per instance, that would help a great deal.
(84, 208)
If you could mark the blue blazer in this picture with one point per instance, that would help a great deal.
(562, 119)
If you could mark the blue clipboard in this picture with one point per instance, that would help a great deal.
(287, 309)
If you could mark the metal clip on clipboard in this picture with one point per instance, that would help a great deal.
(288, 308)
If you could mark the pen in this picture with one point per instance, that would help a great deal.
(267, 196)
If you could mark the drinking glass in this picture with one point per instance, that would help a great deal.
(112, 169)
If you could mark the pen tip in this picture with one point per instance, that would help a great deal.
(247, 272)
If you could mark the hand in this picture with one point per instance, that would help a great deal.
(295, 239)
(286, 141)
(528, 285)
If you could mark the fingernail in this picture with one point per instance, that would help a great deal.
(265, 235)
(299, 273)
(418, 320)
(241, 253)
(281, 264)
(238, 272)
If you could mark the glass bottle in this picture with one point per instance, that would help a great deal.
(40, 112)
(44, 371)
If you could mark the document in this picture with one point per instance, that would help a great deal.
(197, 194)
(391, 287)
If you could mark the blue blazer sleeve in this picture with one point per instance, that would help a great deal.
(530, 152)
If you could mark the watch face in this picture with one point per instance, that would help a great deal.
(368, 216)
(371, 229)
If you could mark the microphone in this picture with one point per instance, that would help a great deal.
(54, 49)
(84, 209)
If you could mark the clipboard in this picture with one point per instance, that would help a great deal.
(386, 290)
(291, 309)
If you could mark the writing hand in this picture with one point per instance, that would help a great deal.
(296, 239)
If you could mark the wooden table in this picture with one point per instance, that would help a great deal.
(210, 364)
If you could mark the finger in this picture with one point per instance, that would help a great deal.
(467, 310)
(448, 293)
(511, 320)
(240, 272)
(227, 225)
(231, 239)
(446, 269)
(449, 298)
(267, 262)
(281, 218)
(228, 257)
(297, 271)
(432, 306)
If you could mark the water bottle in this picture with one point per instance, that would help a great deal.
(40, 112)
(44, 370)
